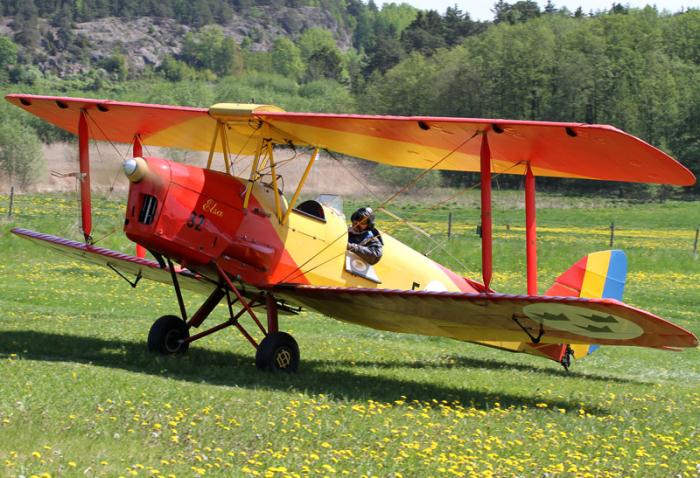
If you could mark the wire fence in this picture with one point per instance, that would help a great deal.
(441, 230)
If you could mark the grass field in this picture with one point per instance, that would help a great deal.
(81, 396)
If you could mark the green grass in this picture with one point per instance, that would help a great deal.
(81, 396)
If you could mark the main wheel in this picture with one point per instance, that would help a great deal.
(166, 335)
(278, 352)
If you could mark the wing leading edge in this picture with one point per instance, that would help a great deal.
(493, 317)
(117, 261)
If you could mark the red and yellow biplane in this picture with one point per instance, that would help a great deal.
(239, 239)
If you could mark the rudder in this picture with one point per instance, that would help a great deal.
(598, 275)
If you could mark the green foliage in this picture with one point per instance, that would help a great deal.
(613, 69)
(518, 12)
(186, 93)
(26, 25)
(26, 74)
(256, 87)
(313, 39)
(115, 65)
(383, 50)
(321, 56)
(8, 52)
(286, 59)
(681, 36)
(636, 69)
(175, 70)
(258, 60)
(399, 16)
(21, 159)
(425, 34)
(326, 62)
(210, 49)
(324, 96)
(412, 86)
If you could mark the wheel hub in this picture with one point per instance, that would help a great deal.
(173, 341)
(283, 358)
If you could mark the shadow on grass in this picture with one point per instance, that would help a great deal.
(233, 369)
(452, 361)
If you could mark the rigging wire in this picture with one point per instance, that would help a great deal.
(87, 114)
(426, 171)
(382, 206)
(436, 244)
(471, 187)
(240, 151)
(99, 153)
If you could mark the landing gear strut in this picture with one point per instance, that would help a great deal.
(566, 358)
(277, 351)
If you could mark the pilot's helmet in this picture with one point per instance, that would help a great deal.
(364, 214)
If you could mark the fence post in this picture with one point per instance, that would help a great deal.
(612, 233)
(449, 225)
(695, 246)
(12, 201)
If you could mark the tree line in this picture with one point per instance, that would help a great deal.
(637, 69)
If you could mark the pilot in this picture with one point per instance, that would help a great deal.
(363, 239)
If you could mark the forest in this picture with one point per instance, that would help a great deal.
(636, 69)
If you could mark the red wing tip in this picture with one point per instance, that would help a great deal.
(25, 100)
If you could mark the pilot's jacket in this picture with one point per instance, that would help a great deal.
(366, 244)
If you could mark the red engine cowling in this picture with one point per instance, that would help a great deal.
(195, 216)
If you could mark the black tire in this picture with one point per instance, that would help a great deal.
(165, 335)
(278, 352)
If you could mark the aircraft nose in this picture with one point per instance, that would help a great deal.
(135, 169)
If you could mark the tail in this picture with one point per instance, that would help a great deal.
(598, 275)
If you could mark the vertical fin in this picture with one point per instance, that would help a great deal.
(599, 275)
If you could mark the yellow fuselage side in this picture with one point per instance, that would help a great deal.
(318, 249)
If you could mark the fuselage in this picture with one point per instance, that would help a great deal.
(196, 217)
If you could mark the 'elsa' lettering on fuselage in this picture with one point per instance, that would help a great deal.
(210, 207)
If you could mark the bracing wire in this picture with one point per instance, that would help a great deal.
(105, 135)
(466, 189)
(240, 151)
(426, 171)
(416, 228)
(382, 206)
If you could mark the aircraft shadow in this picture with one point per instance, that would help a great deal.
(451, 361)
(230, 368)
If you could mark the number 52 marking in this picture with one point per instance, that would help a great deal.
(195, 221)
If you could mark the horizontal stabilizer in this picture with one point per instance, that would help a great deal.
(599, 275)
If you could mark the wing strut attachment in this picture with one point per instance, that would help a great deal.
(84, 158)
(530, 231)
(486, 236)
(535, 340)
(132, 284)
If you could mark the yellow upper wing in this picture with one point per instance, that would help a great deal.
(570, 150)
